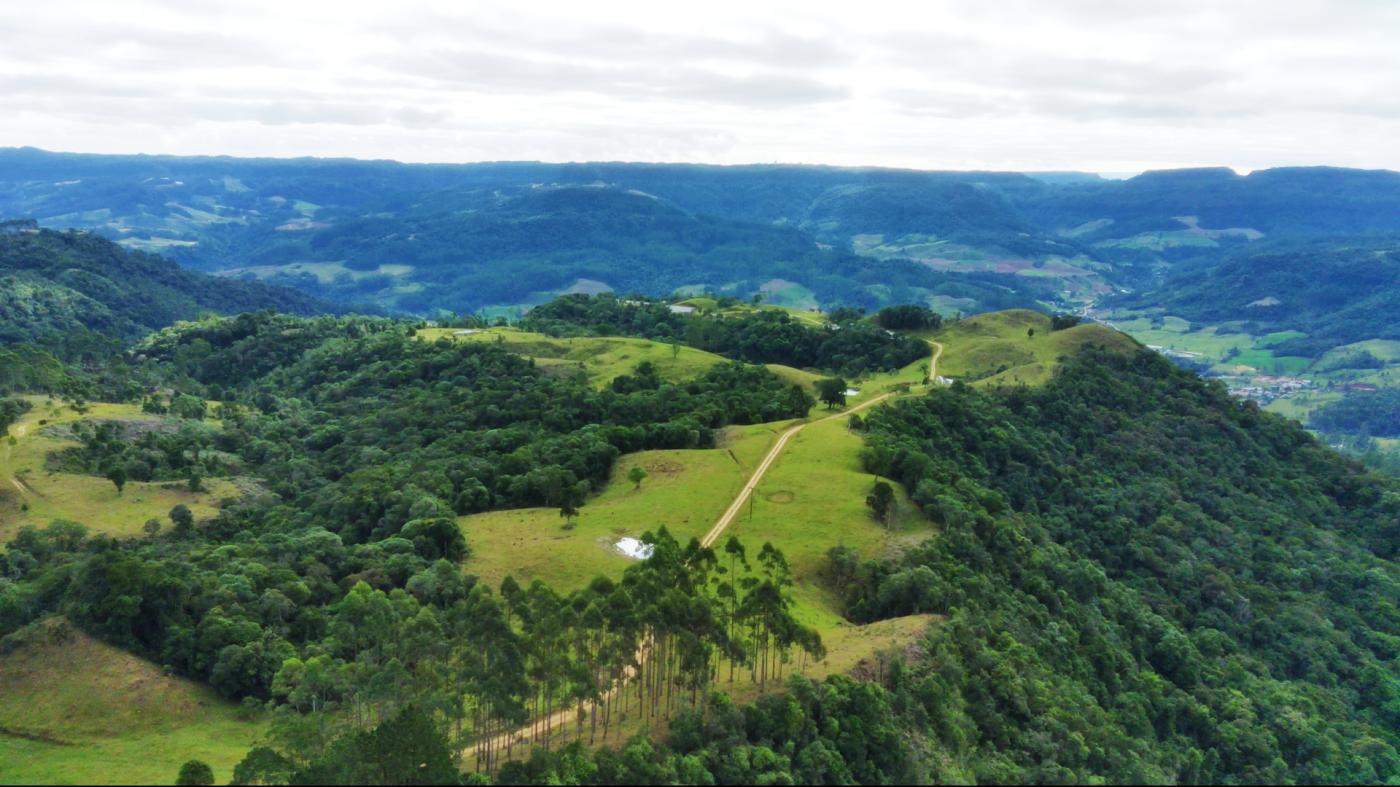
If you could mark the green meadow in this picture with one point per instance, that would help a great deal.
(600, 358)
(31, 494)
(1016, 347)
(76, 711)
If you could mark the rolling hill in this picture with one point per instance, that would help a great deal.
(75, 293)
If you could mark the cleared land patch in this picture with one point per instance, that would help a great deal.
(1017, 347)
(325, 272)
(813, 499)
(30, 494)
(76, 711)
(686, 490)
(601, 358)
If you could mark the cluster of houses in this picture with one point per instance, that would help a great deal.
(1265, 388)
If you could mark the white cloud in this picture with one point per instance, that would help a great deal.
(1017, 84)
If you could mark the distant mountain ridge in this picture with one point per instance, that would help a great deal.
(462, 237)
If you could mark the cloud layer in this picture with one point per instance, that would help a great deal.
(1083, 84)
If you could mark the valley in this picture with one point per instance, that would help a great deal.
(829, 519)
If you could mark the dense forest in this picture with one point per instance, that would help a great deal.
(1368, 414)
(1144, 581)
(1132, 577)
(1137, 578)
(81, 297)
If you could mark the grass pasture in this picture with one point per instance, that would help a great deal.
(998, 348)
(794, 375)
(76, 711)
(686, 490)
(601, 358)
(1212, 343)
(1339, 357)
(813, 499)
(30, 494)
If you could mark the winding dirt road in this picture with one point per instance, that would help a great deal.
(564, 716)
(728, 516)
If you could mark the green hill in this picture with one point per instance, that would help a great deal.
(1018, 347)
(1333, 294)
(601, 358)
(1086, 565)
(75, 294)
(76, 711)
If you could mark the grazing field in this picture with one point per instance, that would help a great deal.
(795, 376)
(813, 499)
(684, 490)
(1300, 405)
(30, 494)
(790, 294)
(601, 358)
(1340, 357)
(1212, 343)
(1000, 348)
(76, 711)
(323, 272)
(1267, 362)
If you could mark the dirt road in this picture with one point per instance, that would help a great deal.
(566, 715)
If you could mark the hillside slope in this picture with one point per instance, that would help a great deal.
(73, 293)
(1131, 569)
(74, 710)
(1335, 293)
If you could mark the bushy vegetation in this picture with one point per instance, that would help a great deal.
(369, 447)
(908, 317)
(11, 410)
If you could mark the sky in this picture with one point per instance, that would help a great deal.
(1091, 85)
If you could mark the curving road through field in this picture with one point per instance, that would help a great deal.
(563, 716)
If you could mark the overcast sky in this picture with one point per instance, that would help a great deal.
(1097, 85)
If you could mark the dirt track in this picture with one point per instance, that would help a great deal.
(565, 715)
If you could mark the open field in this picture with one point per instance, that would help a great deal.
(76, 711)
(997, 348)
(1385, 350)
(324, 272)
(816, 504)
(1176, 334)
(781, 292)
(33, 495)
(1248, 360)
(601, 358)
(813, 499)
(685, 491)
(1300, 405)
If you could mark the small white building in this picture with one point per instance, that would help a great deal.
(680, 308)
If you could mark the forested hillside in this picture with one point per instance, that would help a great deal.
(78, 295)
(852, 347)
(1336, 293)
(1145, 581)
(1135, 577)
(1080, 562)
